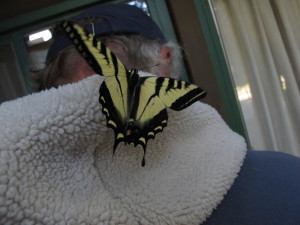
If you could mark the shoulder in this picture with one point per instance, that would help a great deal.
(267, 191)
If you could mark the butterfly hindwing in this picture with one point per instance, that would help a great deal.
(149, 112)
(113, 98)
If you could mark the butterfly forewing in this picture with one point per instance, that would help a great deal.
(100, 58)
(176, 94)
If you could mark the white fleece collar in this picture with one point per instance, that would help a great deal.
(56, 163)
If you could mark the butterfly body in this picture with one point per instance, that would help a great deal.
(135, 125)
(135, 107)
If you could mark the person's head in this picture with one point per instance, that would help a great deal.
(126, 30)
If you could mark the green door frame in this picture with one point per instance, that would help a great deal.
(222, 73)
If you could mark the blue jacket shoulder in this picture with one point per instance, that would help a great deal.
(267, 191)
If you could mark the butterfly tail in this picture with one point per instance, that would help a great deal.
(116, 143)
(144, 161)
(144, 145)
(158, 123)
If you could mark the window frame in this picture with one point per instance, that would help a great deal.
(224, 79)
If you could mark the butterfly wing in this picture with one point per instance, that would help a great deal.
(176, 94)
(153, 96)
(113, 98)
(100, 58)
(114, 89)
(157, 93)
(148, 112)
(135, 107)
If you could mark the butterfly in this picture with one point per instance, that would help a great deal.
(135, 107)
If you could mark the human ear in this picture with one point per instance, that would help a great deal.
(165, 58)
(165, 53)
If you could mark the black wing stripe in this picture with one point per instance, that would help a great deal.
(115, 63)
(193, 96)
(136, 99)
(95, 42)
(121, 92)
(179, 84)
(186, 85)
(159, 82)
(149, 100)
(103, 51)
(77, 40)
(170, 85)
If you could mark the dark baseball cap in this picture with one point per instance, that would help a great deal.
(117, 19)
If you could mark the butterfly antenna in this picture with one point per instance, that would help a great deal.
(93, 28)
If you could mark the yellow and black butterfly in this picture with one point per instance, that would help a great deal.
(135, 107)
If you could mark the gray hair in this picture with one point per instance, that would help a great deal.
(135, 51)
